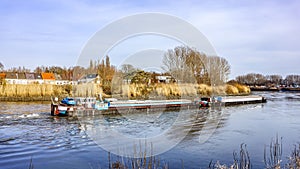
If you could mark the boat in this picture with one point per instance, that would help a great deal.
(68, 106)
(63, 108)
(68, 101)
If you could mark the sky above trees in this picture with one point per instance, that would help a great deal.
(254, 36)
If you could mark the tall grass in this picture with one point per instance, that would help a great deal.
(33, 90)
(87, 90)
(294, 159)
(130, 91)
(241, 159)
(169, 91)
(272, 159)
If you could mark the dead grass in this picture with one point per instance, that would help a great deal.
(32, 90)
(142, 91)
(130, 91)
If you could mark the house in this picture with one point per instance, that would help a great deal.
(15, 78)
(21, 78)
(164, 79)
(2, 75)
(31, 78)
(38, 78)
(11, 78)
(60, 81)
(90, 78)
(48, 78)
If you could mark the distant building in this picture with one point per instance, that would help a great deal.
(11, 78)
(21, 78)
(164, 79)
(38, 78)
(48, 78)
(90, 78)
(30, 76)
(60, 81)
(2, 75)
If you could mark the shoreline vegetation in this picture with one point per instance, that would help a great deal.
(44, 92)
(273, 159)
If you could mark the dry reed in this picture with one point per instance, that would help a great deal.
(174, 90)
(130, 91)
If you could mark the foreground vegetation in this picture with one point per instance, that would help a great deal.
(241, 160)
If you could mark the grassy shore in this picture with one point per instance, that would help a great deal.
(35, 92)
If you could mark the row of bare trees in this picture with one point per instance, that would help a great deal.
(253, 79)
(185, 64)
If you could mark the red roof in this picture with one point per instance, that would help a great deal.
(48, 76)
(2, 75)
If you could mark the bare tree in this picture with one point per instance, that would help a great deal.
(274, 79)
(292, 79)
(219, 70)
(127, 72)
(185, 64)
(188, 65)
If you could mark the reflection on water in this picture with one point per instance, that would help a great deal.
(152, 132)
(27, 130)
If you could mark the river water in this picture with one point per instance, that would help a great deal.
(189, 138)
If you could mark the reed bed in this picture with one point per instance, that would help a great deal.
(129, 91)
(87, 90)
(31, 91)
(169, 91)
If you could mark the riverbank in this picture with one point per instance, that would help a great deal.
(44, 92)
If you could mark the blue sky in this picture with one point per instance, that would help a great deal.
(254, 36)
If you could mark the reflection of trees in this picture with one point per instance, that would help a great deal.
(165, 128)
(208, 120)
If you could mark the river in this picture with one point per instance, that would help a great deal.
(189, 138)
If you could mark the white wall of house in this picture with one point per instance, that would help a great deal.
(165, 79)
(62, 82)
(49, 82)
(16, 81)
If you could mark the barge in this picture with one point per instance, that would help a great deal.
(68, 106)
